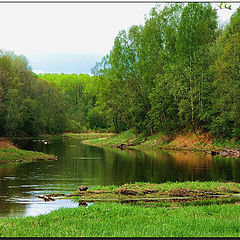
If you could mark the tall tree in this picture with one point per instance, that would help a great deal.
(196, 34)
(226, 117)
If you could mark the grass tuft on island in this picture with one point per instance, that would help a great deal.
(110, 219)
(11, 154)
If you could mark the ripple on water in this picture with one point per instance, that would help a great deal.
(87, 158)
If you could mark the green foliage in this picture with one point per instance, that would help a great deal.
(177, 71)
(79, 98)
(161, 69)
(28, 105)
(196, 34)
(226, 120)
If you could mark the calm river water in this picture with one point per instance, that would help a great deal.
(80, 164)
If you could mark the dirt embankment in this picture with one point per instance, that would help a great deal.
(203, 142)
(5, 143)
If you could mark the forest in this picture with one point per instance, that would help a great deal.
(180, 71)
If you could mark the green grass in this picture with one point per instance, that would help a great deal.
(168, 186)
(123, 137)
(205, 218)
(91, 135)
(116, 220)
(14, 155)
(156, 140)
(227, 143)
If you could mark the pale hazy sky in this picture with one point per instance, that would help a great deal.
(66, 28)
(69, 28)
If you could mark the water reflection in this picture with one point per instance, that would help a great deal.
(80, 164)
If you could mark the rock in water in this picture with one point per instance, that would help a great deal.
(83, 188)
(84, 204)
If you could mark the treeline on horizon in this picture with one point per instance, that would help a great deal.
(33, 104)
(28, 105)
(178, 71)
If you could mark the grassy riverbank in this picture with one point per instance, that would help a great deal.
(187, 141)
(114, 220)
(11, 154)
(217, 219)
(90, 135)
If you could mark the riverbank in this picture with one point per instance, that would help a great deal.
(114, 220)
(111, 219)
(11, 154)
(89, 135)
(187, 141)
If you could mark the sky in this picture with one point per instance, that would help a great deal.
(69, 37)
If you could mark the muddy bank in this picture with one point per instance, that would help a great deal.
(181, 142)
(221, 152)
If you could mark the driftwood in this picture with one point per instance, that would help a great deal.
(46, 198)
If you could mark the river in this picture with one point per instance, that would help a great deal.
(80, 164)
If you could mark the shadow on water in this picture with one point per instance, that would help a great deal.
(80, 164)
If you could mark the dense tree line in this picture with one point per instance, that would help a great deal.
(80, 100)
(47, 103)
(178, 71)
(28, 105)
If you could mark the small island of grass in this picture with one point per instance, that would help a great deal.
(210, 211)
(11, 154)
